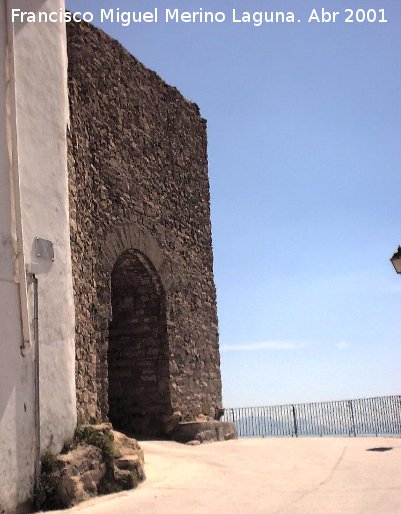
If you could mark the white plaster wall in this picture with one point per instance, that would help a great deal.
(41, 118)
(16, 373)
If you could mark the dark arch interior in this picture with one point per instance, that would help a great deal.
(138, 350)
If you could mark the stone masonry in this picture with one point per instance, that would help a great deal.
(146, 321)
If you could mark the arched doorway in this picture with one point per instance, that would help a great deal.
(138, 357)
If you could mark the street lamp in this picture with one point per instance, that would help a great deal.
(396, 260)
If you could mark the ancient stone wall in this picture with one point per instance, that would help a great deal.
(139, 184)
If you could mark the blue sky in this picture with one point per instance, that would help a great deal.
(304, 126)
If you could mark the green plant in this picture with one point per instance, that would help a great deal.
(44, 495)
(103, 440)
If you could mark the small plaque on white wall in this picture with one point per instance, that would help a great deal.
(44, 249)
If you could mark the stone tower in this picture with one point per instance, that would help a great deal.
(146, 323)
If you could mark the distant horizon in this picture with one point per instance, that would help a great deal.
(317, 402)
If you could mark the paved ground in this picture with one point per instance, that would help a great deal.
(270, 476)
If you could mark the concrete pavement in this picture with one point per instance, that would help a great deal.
(269, 476)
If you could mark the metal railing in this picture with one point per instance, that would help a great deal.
(367, 416)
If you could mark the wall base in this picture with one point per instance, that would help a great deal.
(204, 431)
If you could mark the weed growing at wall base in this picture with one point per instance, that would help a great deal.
(101, 439)
(45, 492)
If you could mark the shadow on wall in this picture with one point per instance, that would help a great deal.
(17, 430)
(138, 355)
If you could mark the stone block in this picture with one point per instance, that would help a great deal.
(204, 431)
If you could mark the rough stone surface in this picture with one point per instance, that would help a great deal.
(126, 446)
(81, 472)
(138, 351)
(85, 471)
(204, 431)
(146, 320)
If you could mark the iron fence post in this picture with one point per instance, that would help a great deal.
(295, 421)
(352, 417)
